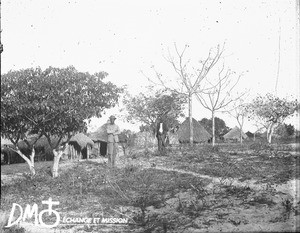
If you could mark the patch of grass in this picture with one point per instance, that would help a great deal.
(242, 166)
(14, 229)
(261, 200)
(141, 153)
(75, 183)
(239, 192)
(91, 188)
(23, 167)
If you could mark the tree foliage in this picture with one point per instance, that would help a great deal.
(54, 102)
(220, 126)
(148, 108)
(285, 130)
(271, 111)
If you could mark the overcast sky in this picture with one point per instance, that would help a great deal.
(124, 38)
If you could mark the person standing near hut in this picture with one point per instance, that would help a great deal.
(113, 131)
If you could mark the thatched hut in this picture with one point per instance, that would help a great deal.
(42, 147)
(8, 156)
(80, 146)
(5, 142)
(200, 133)
(99, 137)
(234, 135)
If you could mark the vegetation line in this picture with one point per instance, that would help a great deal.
(233, 181)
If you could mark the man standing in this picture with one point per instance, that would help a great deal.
(112, 140)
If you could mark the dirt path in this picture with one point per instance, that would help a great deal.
(288, 188)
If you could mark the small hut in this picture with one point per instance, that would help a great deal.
(99, 137)
(80, 146)
(200, 133)
(41, 149)
(7, 155)
(234, 135)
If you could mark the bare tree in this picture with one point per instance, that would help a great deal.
(189, 78)
(218, 95)
(239, 112)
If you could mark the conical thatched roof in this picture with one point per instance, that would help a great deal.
(82, 140)
(99, 135)
(200, 133)
(5, 141)
(234, 133)
(41, 142)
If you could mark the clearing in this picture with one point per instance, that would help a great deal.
(228, 188)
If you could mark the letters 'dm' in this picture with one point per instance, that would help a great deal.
(29, 212)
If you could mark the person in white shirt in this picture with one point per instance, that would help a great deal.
(112, 141)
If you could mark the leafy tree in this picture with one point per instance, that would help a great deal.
(220, 126)
(239, 112)
(290, 129)
(148, 108)
(145, 128)
(285, 130)
(271, 111)
(53, 103)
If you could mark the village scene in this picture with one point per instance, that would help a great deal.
(188, 144)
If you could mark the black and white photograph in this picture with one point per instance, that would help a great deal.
(150, 116)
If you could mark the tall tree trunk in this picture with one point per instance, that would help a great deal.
(28, 161)
(241, 136)
(270, 132)
(57, 155)
(191, 121)
(32, 156)
(213, 127)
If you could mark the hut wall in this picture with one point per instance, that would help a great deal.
(10, 157)
(99, 149)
